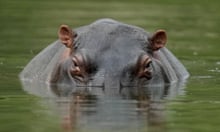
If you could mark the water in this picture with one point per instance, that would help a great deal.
(91, 109)
(193, 28)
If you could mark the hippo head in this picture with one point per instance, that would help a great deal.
(110, 54)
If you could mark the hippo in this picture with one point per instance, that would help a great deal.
(107, 54)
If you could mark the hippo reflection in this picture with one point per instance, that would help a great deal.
(106, 53)
(89, 109)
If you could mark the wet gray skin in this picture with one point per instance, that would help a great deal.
(108, 54)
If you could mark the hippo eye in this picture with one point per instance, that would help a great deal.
(148, 64)
(77, 70)
(144, 67)
(75, 62)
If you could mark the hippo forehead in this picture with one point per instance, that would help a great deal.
(107, 31)
(111, 43)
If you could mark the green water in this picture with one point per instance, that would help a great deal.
(26, 27)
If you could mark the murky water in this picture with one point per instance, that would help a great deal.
(184, 106)
(91, 109)
(193, 36)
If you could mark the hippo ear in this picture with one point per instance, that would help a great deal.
(66, 36)
(158, 40)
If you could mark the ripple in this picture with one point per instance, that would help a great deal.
(214, 70)
(206, 101)
(203, 77)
